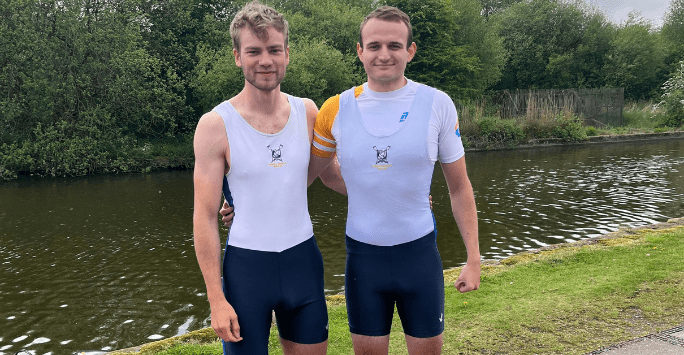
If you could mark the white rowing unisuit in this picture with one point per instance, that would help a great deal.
(387, 144)
(267, 179)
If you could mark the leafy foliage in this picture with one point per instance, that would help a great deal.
(673, 98)
(636, 61)
(552, 44)
(318, 71)
(85, 84)
(457, 51)
(673, 30)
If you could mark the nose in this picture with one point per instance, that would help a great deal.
(383, 54)
(265, 60)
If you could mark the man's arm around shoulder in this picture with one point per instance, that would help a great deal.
(465, 213)
(211, 150)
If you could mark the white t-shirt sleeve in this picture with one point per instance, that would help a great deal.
(444, 135)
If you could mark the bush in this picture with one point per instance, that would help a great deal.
(673, 98)
(569, 128)
(563, 125)
(592, 131)
(494, 133)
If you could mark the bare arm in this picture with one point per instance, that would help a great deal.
(317, 165)
(465, 213)
(211, 150)
(332, 177)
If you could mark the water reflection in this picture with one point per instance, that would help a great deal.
(106, 262)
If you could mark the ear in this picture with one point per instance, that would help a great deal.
(236, 54)
(359, 50)
(412, 51)
(287, 55)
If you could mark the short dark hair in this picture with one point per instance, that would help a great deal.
(258, 17)
(388, 13)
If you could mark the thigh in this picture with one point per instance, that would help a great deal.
(307, 324)
(249, 288)
(302, 314)
(420, 302)
(368, 293)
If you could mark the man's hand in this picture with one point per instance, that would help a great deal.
(226, 214)
(469, 278)
(225, 322)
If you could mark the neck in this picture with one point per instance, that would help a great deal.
(387, 86)
(260, 101)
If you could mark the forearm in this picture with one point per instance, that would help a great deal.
(208, 251)
(465, 214)
(332, 178)
(317, 165)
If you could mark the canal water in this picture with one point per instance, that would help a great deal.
(100, 263)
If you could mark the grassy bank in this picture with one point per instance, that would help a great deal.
(564, 299)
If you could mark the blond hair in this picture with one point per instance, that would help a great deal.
(258, 17)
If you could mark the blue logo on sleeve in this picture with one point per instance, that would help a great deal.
(458, 132)
(403, 117)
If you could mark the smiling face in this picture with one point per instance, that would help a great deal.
(384, 53)
(263, 61)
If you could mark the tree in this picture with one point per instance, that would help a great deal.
(673, 98)
(552, 44)
(457, 52)
(673, 30)
(333, 21)
(319, 71)
(637, 60)
(491, 7)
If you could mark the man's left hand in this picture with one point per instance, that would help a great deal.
(469, 278)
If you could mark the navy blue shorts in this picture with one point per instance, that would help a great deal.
(289, 282)
(409, 275)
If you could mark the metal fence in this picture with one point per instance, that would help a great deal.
(599, 107)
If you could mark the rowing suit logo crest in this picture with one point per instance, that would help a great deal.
(381, 158)
(276, 155)
(381, 155)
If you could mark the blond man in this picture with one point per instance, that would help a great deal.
(255, 148)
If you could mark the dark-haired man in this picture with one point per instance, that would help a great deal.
(387, 134)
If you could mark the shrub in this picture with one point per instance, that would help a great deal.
(495, 132)
(673, 98)
(569, 128)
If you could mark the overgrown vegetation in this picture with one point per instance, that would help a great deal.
(85, 84)
(569, 299)
(673, 98)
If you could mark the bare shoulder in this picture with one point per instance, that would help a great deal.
(210, 132)
(311, 109)
(210, 119)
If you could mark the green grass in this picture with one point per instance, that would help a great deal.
(570, 299)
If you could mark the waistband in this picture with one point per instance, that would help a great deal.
(356, 247)
(257, 253)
